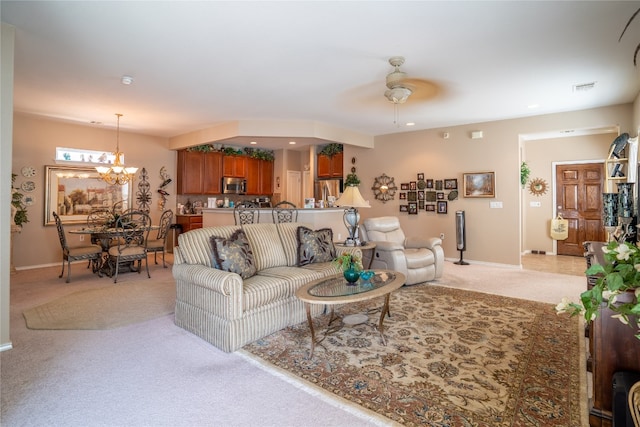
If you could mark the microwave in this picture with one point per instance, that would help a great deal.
(234, 186)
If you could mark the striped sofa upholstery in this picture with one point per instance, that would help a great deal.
(226, 310)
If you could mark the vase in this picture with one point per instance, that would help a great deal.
(625, 199)
(351, 275)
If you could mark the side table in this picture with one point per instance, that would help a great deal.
(367, 252)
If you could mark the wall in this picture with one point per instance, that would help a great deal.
(34, 142)
(540, 156)
(493, 235)
(6, 130)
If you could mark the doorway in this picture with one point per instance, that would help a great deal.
(294, 187)
(578, 199)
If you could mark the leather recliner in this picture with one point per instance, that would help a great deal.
(420, 259)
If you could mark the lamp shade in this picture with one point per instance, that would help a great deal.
(352, 198)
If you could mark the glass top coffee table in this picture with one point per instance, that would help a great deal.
(335, 290)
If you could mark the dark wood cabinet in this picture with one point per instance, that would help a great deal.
(266, 177)
(234, 166)
(190, 170)
(259, 176)
(199, 172)
(330, 166)
(189, 222)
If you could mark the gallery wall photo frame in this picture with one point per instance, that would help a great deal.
(479, 184)
(442, 207)
(451, 184)
(430, 208)
(73, 191)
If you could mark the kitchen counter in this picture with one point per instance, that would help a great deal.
(315, 217)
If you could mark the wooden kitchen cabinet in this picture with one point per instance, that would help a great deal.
(189, 222)
(330, 166)
(259, 176)
(234, 166)
(199, 172)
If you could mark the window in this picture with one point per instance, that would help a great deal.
(76, 155)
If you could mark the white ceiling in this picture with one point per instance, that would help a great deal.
(198, 64)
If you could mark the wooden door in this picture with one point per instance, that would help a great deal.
(579, 200)
(253, 176)
(212, 183)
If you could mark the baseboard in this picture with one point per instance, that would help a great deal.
(489, 264)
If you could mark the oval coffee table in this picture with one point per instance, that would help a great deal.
(335, 290)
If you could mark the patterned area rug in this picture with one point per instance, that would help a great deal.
(453, 358)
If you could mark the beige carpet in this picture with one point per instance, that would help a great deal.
(106, 307)
(454, 357)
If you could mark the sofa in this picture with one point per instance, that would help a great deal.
(420, 259)
(237, 284)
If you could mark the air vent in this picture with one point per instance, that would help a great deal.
(584, 87)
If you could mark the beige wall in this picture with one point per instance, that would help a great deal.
(493, 235)
(34, 142)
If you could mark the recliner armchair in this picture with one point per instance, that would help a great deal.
(420, 259)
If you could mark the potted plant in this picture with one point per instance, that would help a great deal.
(524, 173)
(618, 286)
(352, 179)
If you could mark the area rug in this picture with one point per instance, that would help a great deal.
(453, 358)
(105, 308)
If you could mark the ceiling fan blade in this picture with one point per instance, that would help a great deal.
(423, 90)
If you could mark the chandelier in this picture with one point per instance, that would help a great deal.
(117, 173)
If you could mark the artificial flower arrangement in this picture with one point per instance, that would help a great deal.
(347, 261)
(620, 275)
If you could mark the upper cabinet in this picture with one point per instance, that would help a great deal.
(330, 166)
(234, 166)
(202, 172)
(199, 172)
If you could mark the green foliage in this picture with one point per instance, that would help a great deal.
(331, 149)
(352, 179)
(16, 200)
(524, 173)
(618, 286)
(205, 148)
(347, 261)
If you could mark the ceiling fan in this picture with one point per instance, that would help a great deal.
(400, 87)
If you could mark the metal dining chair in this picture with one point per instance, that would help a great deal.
(284, 212)
(246, 213)
(158, 242)
(92, 252)
(133, 233)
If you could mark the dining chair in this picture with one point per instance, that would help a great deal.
(158, 242)
(634, 403)
(284, 212)
(246, 213)
(91, 252)
(132, 229)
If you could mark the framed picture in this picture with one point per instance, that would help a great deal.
(404, 186)
(442, 207)
(420, 194)
(403, 195)
(413, 185)
(412, 196)
(439, 185)
(479, 184)
(430, 207)
(451, 184)
(430, 196)
(429, 183)
(440, 195)
(404, 208)
(420, 205)
(420, 177)
(72, 192)
(413, 208)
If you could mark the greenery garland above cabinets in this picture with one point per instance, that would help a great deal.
(331, 149)
(256, 153)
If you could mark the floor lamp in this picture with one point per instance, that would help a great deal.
(351, 199)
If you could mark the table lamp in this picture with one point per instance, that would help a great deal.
(352, 200)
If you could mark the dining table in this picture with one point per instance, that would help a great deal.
(107, 237)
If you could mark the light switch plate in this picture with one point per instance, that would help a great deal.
(496, 205)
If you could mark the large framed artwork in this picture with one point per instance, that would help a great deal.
(479, 184)
(72, 192)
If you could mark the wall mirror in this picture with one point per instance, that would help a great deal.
(384, 188)
(538, 186)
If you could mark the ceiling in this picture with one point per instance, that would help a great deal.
(199, 64)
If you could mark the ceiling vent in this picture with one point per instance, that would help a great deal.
(584, 87)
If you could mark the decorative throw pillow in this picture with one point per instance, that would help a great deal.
(234, 254)
(315, 246)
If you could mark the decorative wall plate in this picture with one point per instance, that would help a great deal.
(384, 188)
(28, 171)
(538, 186)
(28, 186)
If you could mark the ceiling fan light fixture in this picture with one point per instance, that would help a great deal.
(398, 95)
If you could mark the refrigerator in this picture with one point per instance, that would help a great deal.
(327, 190)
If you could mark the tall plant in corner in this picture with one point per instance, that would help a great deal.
(16, 201)
(635, 54)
